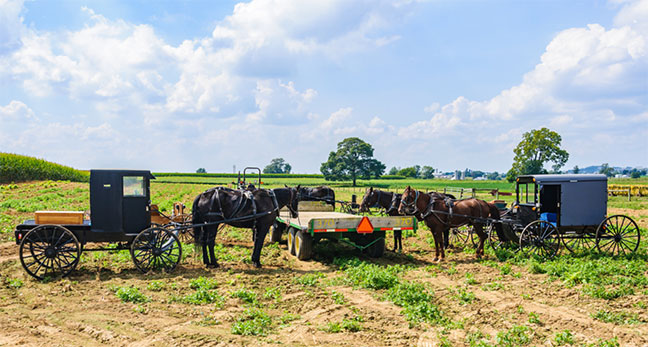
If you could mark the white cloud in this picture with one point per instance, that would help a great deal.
(16, 110)
(337, 118)
(11, 24)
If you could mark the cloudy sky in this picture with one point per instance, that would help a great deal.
(174, 85)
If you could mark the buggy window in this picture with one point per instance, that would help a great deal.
(527, 193)
(134, 186)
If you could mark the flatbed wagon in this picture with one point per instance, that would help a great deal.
(316, 222)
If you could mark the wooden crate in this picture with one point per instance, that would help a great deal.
(59, 217)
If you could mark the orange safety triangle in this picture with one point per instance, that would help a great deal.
(364, 226)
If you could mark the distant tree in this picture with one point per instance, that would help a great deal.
(635, 173)
(277, 165)
(606, 170)
(352, 160)
(536, 148)
(427, 172)
(493, 176)
(476, 173)
(576, 169)
(410, 171)
(393, 171)
(201, 170)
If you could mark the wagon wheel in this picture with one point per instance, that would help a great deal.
(291, 240)
(617, 234)
(462, 235)
(493, 239)
(49, 250)
(540, 238)
(277, 232)
(304, 245)
(156, 248)
(575, 241)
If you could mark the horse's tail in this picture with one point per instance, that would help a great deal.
(197, 218)
(495, 214)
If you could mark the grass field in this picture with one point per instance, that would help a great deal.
(506, 299)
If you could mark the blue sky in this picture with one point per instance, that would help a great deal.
(177, 85)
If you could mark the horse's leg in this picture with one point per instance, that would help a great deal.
(437, 244)
(399, 234)
(440, 231)
(482, 238)
(261, 232)
(446, 237)
(211, 242)
(397, 239)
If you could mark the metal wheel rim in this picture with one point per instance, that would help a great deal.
(156, 248)
(493, 239)
(298, 245)
(608, 230)
(459, 235)
(291, 240)
(584, 241)
(50, 239)
(540, 238)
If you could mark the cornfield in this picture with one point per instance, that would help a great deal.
(20, 168)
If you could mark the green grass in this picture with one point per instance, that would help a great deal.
(253, 322)
(518, 335)
(310, 280)
(202, 297)
(130, 294)
(617, 317)
(417, 301)
(203, 283)
(563, 338)
(20, 168)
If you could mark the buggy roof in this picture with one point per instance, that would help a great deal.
(123, 172)
(561, 178)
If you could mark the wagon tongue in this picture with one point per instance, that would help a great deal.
(365, 226)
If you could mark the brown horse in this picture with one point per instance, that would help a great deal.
(441, 213)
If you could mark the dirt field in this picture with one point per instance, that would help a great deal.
(84, 309)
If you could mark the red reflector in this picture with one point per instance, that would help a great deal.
(364, 227)
(19, 236)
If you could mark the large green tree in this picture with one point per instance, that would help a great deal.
(277, 165)
(352, 160)
(537, 148)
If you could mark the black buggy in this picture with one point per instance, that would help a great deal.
(572, 209)
(120, 205)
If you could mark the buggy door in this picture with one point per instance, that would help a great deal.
(550, 203)
(135, 204)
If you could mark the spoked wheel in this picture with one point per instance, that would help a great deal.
(156, 248)
(579, 241)
(617, 234)
(49, 251)
(540, 238)
(493, 239)
(462, 235)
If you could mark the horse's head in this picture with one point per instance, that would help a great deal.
(395, 203)
(409, 200)
(369, 199)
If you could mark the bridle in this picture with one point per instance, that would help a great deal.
(413, 203)
(294, 194)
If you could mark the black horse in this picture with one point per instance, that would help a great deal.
(321, 193)
(255, 209)
(389, 202)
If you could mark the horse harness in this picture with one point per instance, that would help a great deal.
(429, 209)
(246, 195)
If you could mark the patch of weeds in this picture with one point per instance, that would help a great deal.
(641, 305)
(287, 318)
(518, 335)
(310, 280)
(517, 275)
(15, 283)
(492, 286)
(253, 322)
(520, 309)
(526, 296)
(338, 298)
(247, 296)
(417, 302)
(505, 269)
(564, 337)
(372, 276)
(130, 294)
(202, 297)
(156, 286)
(451, 270)
(141, 309)
(464, 296)
(605, 343)
(617, 317)
(351, 325)
(599, 291)
(203, 283)
(470, 279)
(477, 339)
(534, 319)
(273, 293)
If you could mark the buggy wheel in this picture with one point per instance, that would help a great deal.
(540, 238)
(303, 245)
(493, 239)
(291, 241)
(617, 234)
(277, 231)
(156, 248)
(49, 251)
(461, 235)
(575, 241)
